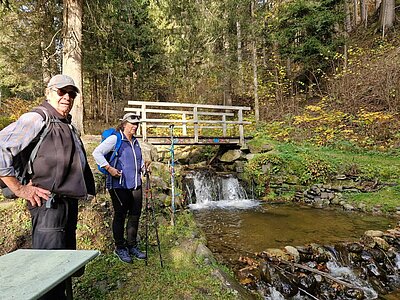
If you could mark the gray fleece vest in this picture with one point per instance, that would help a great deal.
(59, 166)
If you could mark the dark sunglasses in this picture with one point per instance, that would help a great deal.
(62, 92)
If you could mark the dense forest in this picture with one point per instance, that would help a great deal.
(328, 68)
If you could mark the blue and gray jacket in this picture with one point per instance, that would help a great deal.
(130, 162)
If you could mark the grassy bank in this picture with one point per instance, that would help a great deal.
(184, 275)
(294, 167)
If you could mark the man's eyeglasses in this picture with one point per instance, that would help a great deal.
(62, 92)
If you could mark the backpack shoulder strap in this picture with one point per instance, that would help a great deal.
(40, 137)
(119, 141)
(117, 145)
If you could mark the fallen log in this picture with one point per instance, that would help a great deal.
(320, 273)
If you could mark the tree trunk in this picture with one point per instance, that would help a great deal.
(386, 16)
(227, 75)
(364, 13)
(46, 74)
(356, 12)
(239, 57)
(254, 62)
(348, 26)
(72, 54)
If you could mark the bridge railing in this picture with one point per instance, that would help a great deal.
(190, 117)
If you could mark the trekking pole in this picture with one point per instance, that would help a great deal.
(150, 206)
(146, 195)
(171, 127)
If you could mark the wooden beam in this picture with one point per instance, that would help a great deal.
(171, 111)
(173, 104)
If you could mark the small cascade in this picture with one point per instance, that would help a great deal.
(207, 189)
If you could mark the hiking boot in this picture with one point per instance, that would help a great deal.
(123, 255)
(137, 253)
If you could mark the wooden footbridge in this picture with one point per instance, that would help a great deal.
(190, 124)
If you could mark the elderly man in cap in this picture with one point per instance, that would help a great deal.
(124, 184)
(60, 172)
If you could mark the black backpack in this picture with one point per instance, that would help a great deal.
(23, 161)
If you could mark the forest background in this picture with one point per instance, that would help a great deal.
(324, 72)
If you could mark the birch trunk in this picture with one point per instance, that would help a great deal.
(239, 56)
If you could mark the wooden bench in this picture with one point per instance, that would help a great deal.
(30, 273)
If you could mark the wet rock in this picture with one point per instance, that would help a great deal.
(293, 252)
(378, 285)
(311, 264)
(355, 248)
(381, 243)
(355, 257)
(308, 283)
(320, 254)
(318, 278)
(286, 287)
(355, 294)
(391, 253)
(373, 270)
(267, 272)
(366, 256)
(390, 238)
(368, 241)
(248, 276)
(304, 249)
(377, 254)
(278, 253)
(374, 233)
(395, 232)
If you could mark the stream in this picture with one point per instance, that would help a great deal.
(242, 233)
(233, 232)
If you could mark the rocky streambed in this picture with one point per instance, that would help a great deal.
(366, 269)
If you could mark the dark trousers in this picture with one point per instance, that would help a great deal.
(55, 228)
(127, 204)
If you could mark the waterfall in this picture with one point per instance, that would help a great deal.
(206, 189)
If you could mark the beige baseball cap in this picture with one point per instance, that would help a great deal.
(60, 81)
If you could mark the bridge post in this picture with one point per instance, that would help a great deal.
(184, 126)
(144, 123)
(224, 125)
(196, 124)
(241, 128)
